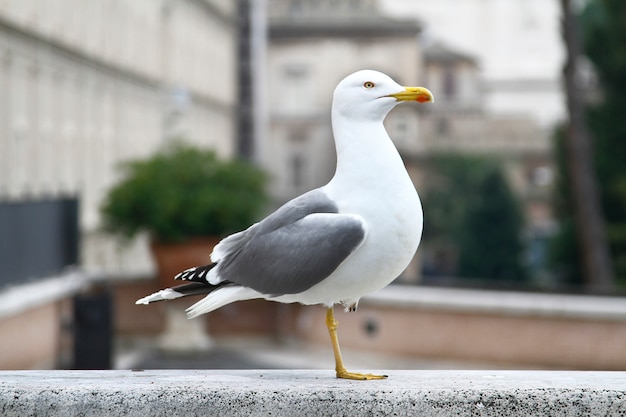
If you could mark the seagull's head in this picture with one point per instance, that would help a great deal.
(368, 94)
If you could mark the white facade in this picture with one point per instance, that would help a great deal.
(517, 42)
(87, 84)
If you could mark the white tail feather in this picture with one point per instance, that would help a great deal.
(221, 297)
(166, 294)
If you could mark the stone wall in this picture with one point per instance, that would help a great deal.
(311, 393)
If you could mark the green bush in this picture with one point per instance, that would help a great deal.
(182, 192)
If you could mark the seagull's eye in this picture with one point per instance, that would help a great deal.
(369, 85)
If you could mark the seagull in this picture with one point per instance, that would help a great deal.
(334, 244)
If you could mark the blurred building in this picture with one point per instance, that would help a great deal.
(87, 85)
(518, 44)
(312, 46)
(462, 123)
(495, 68)
(83, 86)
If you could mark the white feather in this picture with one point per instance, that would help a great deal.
(370, 181)
(221, 297)
(166, 294)
(231, 243)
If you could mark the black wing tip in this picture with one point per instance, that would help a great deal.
(196, 274)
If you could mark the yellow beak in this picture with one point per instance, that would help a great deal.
(420, 94)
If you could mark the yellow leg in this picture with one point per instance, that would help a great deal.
(341, 370)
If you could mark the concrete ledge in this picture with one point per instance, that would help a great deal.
(509, 303)
(316, 393)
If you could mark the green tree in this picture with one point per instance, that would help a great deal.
(603, 27)
(471, 220)
(604, 42)
(581, 176)
(565, 250)
(453, 183)
(490, 241)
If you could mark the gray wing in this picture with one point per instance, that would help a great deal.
(294, 248)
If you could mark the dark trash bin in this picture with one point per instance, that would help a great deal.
(93, 329)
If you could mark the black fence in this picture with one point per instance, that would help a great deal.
(38, 238)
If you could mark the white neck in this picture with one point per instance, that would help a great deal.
(364, 150)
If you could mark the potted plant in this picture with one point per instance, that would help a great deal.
(187, 199)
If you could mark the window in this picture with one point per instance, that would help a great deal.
(297, 137)
(297, 171)
(401, 127)
(443, 127)
(449, 82)
(541, 176)
(296, 7)
(296, 82)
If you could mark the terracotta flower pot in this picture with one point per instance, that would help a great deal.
(180, 334)
(172, 258)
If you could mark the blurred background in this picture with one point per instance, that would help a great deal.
(131, 127)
